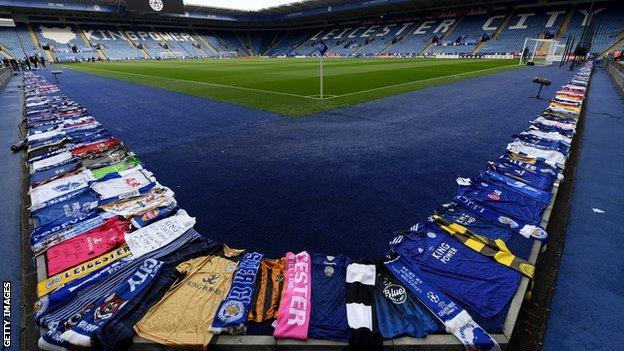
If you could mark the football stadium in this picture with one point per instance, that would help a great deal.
(312, 175)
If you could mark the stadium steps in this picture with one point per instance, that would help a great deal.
(247, 48)
(445, 36)
(478, 48)
(5, 52)
(35, 40)
(405, 33)
(275, 44)
(372, 39)
(205, 42)
(618, 44)
(251, 47)
(427, 48)
(169, 48)
(145, 54)
(87, 42)
(496, 34)
(82, 35)
(223, 43)
(563, 28)
(306, 38)
(184, 49)
(33, 36)
(200, 48)
(503, 26)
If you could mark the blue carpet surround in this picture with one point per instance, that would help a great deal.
(336, 182)
(586, 310)
(340, 181)
(10, 182)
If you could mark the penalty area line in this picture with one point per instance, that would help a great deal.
(455, 76)
(196, 82)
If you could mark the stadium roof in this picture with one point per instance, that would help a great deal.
(303, 5)
(292, 13)
(233, 7)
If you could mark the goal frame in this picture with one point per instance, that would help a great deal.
(168, 55)
(541, 52)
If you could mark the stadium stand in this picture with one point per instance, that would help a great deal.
(473, 31)
(469, 32)
(216, 43)
(525, 23)
(64, 40)
(26, 40)
(11, 41)
(415, 38)
(611, 19)
(112, 41)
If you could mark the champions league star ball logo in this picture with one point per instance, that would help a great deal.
(231, 311)
(156, 5)
(433, 297)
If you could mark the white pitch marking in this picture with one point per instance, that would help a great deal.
(202, 83)
(314, 97)
(417, 81)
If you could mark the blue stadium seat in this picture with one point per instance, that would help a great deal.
(524, 23)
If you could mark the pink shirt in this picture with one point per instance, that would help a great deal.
(294, 311)
(84, 247)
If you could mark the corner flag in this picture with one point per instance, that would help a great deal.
(322, 48)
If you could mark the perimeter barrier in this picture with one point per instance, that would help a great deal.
(5, 74)
(615, 71)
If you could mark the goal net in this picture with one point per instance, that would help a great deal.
(166, 55)
(541, 51)
(227, 54)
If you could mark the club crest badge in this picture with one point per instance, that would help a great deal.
(156, 5)
(108, 308)
(231, 311)
(329, 271)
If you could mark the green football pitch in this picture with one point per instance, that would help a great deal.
(291, 86)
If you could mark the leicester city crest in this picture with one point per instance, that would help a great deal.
(231, 311)
(156, 5)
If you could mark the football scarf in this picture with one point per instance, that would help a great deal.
(58, 298)
(486, 246)
(59, 225)
(54, 282)
(456, 320)
(109, 305)
(82, 227)
(360, 281)
(293, 319)
(233, 310)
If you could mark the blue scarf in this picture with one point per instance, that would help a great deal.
(78, 330)
(232, 313)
